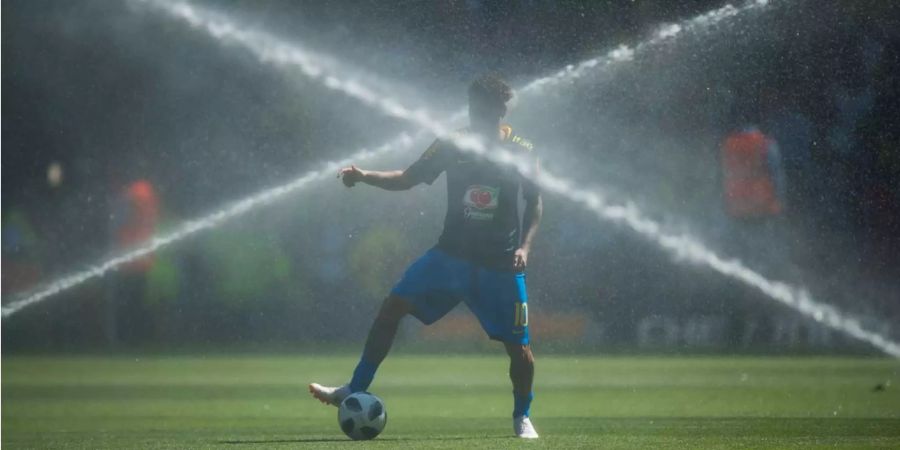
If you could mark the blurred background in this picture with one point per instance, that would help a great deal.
(119, 124)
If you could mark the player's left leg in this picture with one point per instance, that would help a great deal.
(521, 373)
(500, 302)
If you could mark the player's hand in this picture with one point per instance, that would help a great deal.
(520, 259)
(350, 175)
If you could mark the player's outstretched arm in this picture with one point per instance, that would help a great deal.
(394, 180)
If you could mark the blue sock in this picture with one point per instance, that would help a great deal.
(522, 404)
(363, 375)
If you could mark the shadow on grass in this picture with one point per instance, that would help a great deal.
(280, 441)
(313, 440)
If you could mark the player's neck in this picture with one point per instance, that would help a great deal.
(490, 132)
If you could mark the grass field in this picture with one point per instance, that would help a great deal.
(452, 402)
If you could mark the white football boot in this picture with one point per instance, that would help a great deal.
(329, 395)
(523, 428)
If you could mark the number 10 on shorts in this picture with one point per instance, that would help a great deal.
(521, 315)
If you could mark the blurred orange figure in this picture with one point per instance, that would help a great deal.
(139, 223)
(751, 169)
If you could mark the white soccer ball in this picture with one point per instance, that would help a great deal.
(362, 416)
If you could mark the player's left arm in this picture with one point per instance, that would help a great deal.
(531, 220)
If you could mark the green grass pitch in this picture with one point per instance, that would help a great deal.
(452, 402)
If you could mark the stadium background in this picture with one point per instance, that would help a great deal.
(86, 89)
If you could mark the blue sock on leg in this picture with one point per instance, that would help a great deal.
(522, 404)
(363, 375)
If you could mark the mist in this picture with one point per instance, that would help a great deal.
(114, 92)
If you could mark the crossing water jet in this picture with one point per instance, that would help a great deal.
(212, 220)
(623, 53)
(270, 50)
(687, 249)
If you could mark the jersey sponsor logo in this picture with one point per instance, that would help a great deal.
(480, 202)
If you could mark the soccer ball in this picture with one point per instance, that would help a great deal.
(362, 416)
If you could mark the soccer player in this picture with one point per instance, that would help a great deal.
(481, 256)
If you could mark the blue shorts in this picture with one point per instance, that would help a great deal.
(437, 282)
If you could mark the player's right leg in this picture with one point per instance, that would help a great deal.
(378, 344)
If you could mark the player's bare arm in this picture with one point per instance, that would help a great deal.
(534, 210)
(531, 221)
(393, 180)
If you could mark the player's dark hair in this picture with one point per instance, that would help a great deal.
(491, 89)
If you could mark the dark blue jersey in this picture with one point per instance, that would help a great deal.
(482, 222)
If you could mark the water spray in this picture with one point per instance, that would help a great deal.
(684, 248)
(212, 220)
(624, 53)
(272, 51)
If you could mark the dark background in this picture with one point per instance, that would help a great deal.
(114, 93)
